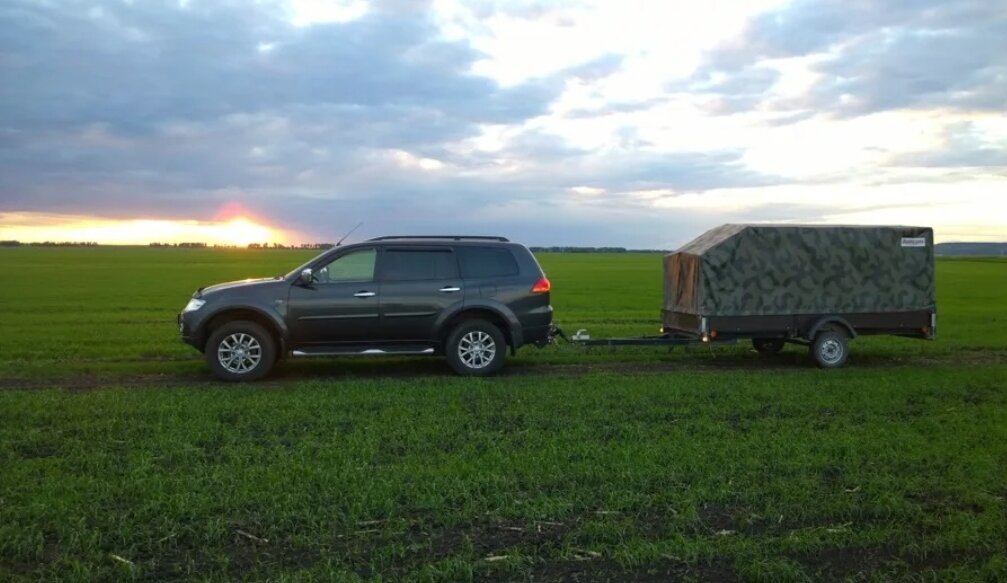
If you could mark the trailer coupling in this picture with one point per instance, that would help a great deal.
(554, 333)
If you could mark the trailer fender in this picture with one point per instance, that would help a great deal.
(826, 321)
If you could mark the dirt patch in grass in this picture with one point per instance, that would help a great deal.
(931, 502)
(604, 570)
(840, 563)
(365, 550)
(835, 563)
(715, 518)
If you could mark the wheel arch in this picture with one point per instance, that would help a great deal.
(271, 323)
(827, 321)
(508, 326)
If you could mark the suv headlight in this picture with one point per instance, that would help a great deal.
(194, 304)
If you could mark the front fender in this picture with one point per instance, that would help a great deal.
(271, 314)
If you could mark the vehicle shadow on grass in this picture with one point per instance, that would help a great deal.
(337, 369)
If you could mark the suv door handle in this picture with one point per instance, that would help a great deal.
(450, 289)
(364, 294)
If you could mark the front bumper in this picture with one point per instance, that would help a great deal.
(187, 331)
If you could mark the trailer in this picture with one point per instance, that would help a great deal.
(819, 286)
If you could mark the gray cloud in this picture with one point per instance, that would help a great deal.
(128, 109)
(963, 147)
(873, 56)
(146, 108)
(135, 64)
(617, 107)
(599, 68)
(115, 106)
(525, 9)
(738, 92)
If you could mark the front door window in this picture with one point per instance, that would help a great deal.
(354, 266)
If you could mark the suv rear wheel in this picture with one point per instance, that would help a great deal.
(476, 348)
(240, 351)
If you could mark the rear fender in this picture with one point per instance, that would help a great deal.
(500, 310)
(825, 321)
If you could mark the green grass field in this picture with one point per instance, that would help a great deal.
(121, 459)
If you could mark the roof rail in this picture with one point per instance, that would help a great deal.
(452, 237)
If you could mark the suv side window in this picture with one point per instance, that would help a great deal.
(354, 266)
(418, 264)
(479, 262)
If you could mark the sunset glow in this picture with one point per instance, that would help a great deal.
(37, 227)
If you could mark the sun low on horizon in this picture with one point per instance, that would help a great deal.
(237, 230)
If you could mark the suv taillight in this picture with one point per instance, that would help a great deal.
(541, 286)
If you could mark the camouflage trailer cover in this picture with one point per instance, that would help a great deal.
(748, 270)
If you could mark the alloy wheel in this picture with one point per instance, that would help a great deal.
(476, 349)
(239, 353)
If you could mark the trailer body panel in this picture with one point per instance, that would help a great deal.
(761, 280)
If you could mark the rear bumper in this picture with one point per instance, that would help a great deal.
(539, 335)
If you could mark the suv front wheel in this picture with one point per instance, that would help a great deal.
(240, 351)
(476, 348)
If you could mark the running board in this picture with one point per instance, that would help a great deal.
(365, 352)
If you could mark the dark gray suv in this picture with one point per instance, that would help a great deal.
(466, 298)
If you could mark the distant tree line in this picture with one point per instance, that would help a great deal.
(947, 249)
(313, 246)
(195, 245)
(13, 243)
(308, 246)
(184, 244)
(256, 246)
(971, 249)
(593, 250)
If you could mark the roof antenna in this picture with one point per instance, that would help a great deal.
(348, 234)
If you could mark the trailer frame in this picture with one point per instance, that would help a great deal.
(583, 339)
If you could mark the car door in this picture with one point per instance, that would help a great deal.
(341, 305)
(417, 284)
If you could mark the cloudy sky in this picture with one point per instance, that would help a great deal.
(595, 122)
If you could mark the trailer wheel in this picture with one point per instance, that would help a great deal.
(768, 345)
(830, 348)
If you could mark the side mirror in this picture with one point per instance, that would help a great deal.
(307, 276)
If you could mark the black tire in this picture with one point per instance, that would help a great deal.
(468, 345)
(768, 345)
(253, 338)
(830, 348)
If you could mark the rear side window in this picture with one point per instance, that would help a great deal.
(418, 264)
(487, 262)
